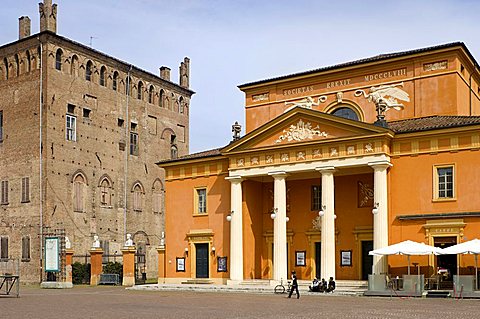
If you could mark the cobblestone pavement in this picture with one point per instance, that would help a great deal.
(116, 302)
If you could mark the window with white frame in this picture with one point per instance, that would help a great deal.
(71, 128)
(444, 182)
(201, 200)
(133, 143)
(316, 202)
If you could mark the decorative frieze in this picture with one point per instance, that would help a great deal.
(369, 148)
(300, 156)
(301, 131)
(254, 160)
(284, 157)
(351, 150)
(440, 65)
(260, 97)
(333, 152)
(269, 159)
(240, 162)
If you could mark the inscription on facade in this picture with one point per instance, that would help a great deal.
(298, 90)
(386, 75)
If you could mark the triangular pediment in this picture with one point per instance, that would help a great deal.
(301, 126)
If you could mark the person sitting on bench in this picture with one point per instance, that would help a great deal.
(323, 285)
(331, 285)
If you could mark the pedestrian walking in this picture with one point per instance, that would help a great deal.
(294, 286)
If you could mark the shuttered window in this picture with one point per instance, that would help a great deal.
(3, 247)
(78, 193)
(25, 248)
(4, 192)
(25, 189)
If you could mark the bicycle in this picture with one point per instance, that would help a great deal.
(280, 288)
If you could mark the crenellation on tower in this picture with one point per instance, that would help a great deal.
(24, 26)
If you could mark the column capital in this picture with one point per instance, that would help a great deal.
(278, 174)
(379, 165)
(234, 179)
(325, 169)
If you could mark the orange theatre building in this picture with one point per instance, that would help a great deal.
(335, 162)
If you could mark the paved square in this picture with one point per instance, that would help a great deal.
(116, 302)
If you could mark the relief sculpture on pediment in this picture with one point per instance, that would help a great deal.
(301, 131)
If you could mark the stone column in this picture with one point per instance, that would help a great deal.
(68, 267)
(280, 261)
(236, 229)
(96, 255)
(380, 219)
(328, 223)
(162, 272)
(128, 266)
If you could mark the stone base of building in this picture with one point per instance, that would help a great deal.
(56, 285)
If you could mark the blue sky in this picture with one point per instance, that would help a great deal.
(234, 42)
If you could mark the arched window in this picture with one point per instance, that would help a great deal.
(180, 105)
(29, 61)
(140, 90)
(161, 99)
(105, 192)
(137, 197)
(5, 66)
(79, 193)
(150, 94)
(346, 112)
(17, 65)
(88, 71)
(74, 66)
(58, 60)
(114, 81)
(172, 102)
(128, 83)
(103, 74)
(157, 190)
(174, 152)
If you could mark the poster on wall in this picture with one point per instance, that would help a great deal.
(300, 258)
(52, 258)
(180, 264)
(346, 258)
(221, 264)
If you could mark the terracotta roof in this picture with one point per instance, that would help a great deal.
(432, 123)
(209, 153)
(379, 57)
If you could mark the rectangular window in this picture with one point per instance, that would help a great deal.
(25, 189)
(1, 126)
(316, 202)
(157, 202)
(445, 182)
(4, 192)
(3, 248)
(71, 128)
(86, 113)
(133, 143)
(25, 248)
(201, 200)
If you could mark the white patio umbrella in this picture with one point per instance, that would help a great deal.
(468, 247)
(407, 248)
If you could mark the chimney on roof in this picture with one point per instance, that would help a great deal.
(23, 27)
(48, 16)
(185, 73)
(165, 73)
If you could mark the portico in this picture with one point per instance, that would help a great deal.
(325, 171)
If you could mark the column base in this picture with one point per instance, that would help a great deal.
(128, 281)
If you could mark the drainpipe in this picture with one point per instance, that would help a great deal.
(41, 160)
(127, 124)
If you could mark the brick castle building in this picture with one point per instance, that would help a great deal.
(80, 132)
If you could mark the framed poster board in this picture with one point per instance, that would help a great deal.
(345, 258)
(52, 256)
(300, 258)
(222, 264)
(180, 264)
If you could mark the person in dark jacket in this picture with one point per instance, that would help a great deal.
(331, 285)
(294, 285)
